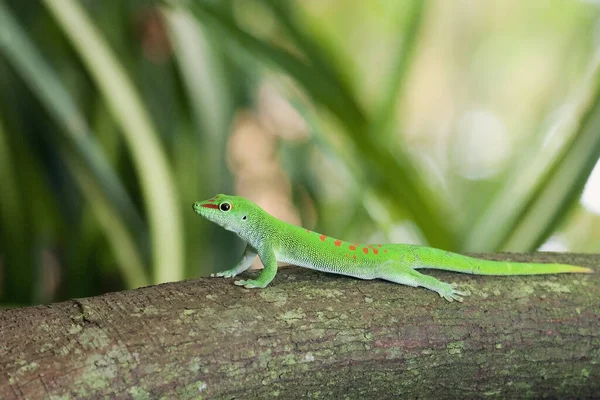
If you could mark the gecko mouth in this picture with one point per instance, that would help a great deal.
(198, 206)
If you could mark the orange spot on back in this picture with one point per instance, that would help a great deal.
(375, 251)
(352, 247)
(322, 237)
(308, 231)
(385, 251)
(378, 245)
(354, 256)
(366, 250)
(338, 243)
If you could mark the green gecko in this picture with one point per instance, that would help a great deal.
(275, 240)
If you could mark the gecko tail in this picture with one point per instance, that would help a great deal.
(578, 270)
(514, 268)
(470, 265)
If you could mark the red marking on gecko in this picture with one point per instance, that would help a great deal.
(352, 247)
(366, 250)
(385, 251)
(308, 231)
(338, 243)
(354, 256)
(322, 237)
(211, 200)
(378, 245)
(210, 206)
(375, 251)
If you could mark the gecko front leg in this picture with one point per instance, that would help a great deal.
(242, 265)
(267, 256)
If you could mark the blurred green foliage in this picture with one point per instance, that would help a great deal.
(460, 126)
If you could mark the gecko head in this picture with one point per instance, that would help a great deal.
(231, 212)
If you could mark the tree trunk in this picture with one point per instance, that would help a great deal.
(313, 335)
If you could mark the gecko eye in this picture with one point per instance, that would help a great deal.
(244, 218)
(225, 207)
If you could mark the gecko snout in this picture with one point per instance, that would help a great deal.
(196, 206)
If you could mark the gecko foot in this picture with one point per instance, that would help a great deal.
(250, 284)
(451, 293)
(230, 273)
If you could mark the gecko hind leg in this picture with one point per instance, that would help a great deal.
(410, 277)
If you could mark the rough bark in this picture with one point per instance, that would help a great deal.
(313, 335)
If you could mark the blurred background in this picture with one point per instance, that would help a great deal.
(468, 126)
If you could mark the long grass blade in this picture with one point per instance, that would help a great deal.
(320, 59)
(563, 183)
(117, 234)
(394, 83)
(202, 143)
(12, 226)
(98, 182)
(43, 81)
(149, 157)
(535, 199)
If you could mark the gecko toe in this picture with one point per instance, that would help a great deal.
(451, 294)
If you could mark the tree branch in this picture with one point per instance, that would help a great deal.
(314, 335)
